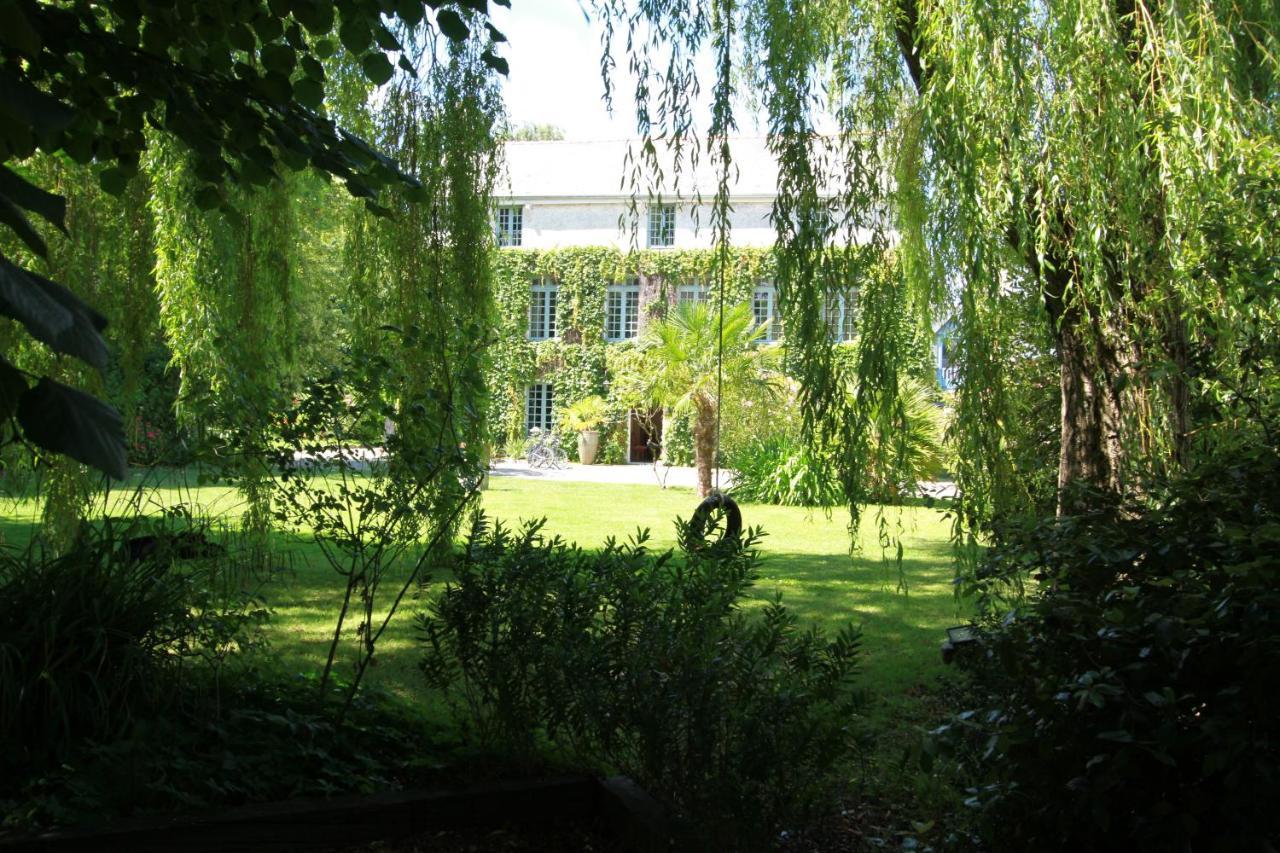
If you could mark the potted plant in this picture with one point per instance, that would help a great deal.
(583, 417)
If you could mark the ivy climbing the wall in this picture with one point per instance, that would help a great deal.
(578, 360)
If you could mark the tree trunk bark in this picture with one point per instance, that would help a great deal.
(1083, 458)
(704, 444)
(1091, 361)
(1178, 389)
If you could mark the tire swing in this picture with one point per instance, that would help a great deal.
(704, 520)
(717, 506)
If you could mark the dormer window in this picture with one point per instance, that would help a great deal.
(662, 226)
(509, 225)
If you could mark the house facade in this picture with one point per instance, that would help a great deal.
(580, 272)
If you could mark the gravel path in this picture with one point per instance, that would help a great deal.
(642, 473)
(638, 473)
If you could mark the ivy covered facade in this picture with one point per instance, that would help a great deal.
(575, 289)
(569, 322)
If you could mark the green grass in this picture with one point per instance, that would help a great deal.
(805, 557)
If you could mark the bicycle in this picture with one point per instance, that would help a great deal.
(544, 450)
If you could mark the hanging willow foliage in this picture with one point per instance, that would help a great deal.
(1116, 160)
(424, 270)
(225, 285)
(107, 258)
(435, 252)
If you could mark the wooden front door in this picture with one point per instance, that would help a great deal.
(646, 433)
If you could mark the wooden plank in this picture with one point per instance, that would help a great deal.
(637, 820)
(336, 822)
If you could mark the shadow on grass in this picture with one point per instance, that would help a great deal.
(901, 632)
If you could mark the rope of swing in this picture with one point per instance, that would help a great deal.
(723, 257)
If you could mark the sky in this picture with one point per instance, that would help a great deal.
(554, 54)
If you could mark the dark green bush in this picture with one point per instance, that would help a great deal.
(92, 639)
(645, 662)
(269, 739)
(1131, 703)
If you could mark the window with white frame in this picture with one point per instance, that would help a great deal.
(944, 348)
(622, 311)
(695, 291)
(662, 225)
(538, 407)
(509, 225)
(764, 310)
(542, 310)
(837, 311)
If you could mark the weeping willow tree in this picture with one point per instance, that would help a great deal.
(225, 285)
(1115, 160)
(418, 322)
(106, 254)
(424, 270)
(419, 266)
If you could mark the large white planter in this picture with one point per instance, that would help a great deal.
(588, 446)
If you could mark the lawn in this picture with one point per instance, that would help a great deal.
(805, 557)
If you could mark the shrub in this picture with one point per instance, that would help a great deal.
(782, 469)
(93, 638)
(155, 438)
(907, 447)
(271, 739)
(377, 519)
(779, 469)
(645, 662)
(586, 414)
(1131, 703)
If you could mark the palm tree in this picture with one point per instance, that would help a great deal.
(905, 442)
(685, 365)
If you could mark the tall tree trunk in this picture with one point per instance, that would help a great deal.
(1091, 361)
(1178, 389)
(704, 444)
(1087, 453)
(1099, 360)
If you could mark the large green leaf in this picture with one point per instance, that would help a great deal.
(23, 103)
(67, 421)
(45, 318)
(497, 63)
(52, 314)
(450, 23)
(12, 215)
(316, 17)
(377, 68)
(25, 194)
(12, 386)
(16, 29)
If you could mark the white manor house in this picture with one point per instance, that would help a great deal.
(567, 195)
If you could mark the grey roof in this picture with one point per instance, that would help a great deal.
(597, 170)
